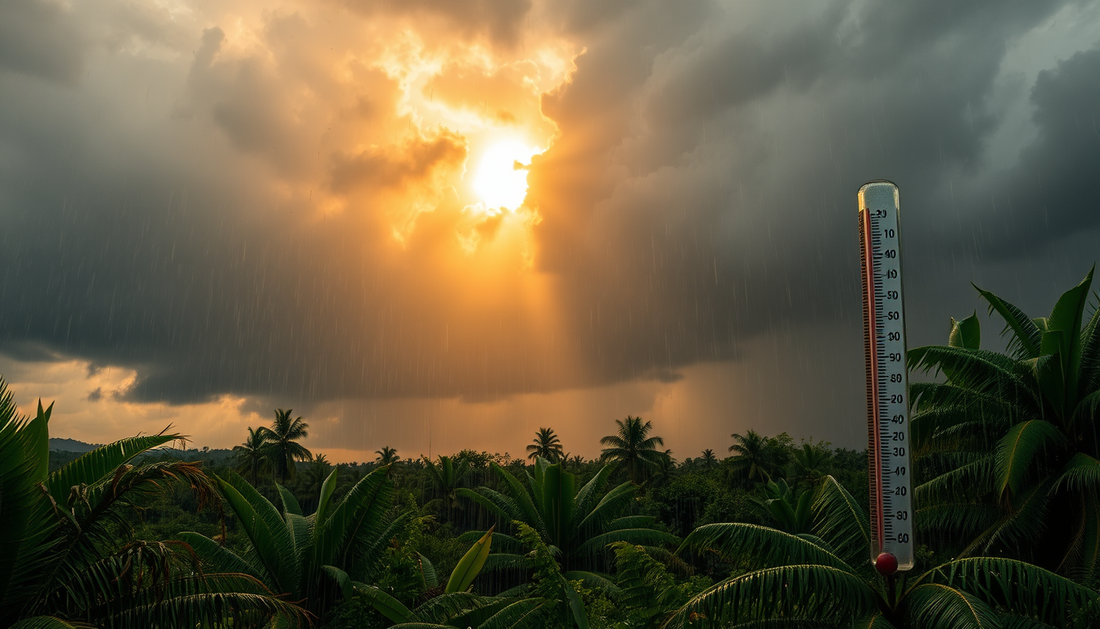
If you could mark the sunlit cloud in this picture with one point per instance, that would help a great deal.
(501, 207)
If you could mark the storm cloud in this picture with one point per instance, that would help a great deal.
(279, 212)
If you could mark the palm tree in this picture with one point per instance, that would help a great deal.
(1008, 442)
(61, 557)
(825, 579)
(447, 477)
(809, 462)
(282, 446)
(754, 458)
(546, 445)
(578, 522)
(251, 456)
(313, 559)
(708, 459)
(633, 448)
(386, 456)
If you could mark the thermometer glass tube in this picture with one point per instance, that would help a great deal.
(889, 470)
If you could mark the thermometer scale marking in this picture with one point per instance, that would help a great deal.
(887, 380)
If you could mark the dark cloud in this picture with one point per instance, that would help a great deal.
(697, 205)
(40, 38)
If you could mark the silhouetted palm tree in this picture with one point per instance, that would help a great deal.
(282, 444)
(708, 459)
(633, 448)
(753, 456)
(250, 456)
(447, 477)
(386, 456)
(547, 445)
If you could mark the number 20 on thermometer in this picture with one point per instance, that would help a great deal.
(889, 471)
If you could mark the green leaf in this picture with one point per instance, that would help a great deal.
(386, 605)
(470, 565)
(1016, 452)
(428, 577)
(290, 503)
(576, 606)
(966, 333)
(327, 488)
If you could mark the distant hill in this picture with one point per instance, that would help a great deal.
(71, 445)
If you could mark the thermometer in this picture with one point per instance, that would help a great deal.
(889, 471)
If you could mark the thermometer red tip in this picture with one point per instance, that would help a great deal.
(886, 564)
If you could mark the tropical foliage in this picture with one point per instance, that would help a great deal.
(825, 579)
(576, 522)
(310, 558)
(63, 563)
(1008, 442)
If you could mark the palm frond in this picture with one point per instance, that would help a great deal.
(50, 622)
(523, 500)
(759, 545)
(218, 558)
(27, 524)
(93, 466)
(210, 600)
(643, 536)
(356, 518)
(1016, 452)
(266, 531)
(982, 371)
(797, 592)
(1026, 338)
(1081, 473)
(841, 521)
(1019, 587)
(529, 612)
(939, 605)
(608, 508)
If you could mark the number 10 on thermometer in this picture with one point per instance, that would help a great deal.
(889, 471)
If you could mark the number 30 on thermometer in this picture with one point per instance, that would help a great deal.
(889, 471)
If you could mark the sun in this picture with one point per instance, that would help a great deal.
(501, 176)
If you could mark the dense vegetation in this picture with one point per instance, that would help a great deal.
(776, 534)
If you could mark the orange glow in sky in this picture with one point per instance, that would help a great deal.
(500, 179)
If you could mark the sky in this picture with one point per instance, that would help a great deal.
(443, 224)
